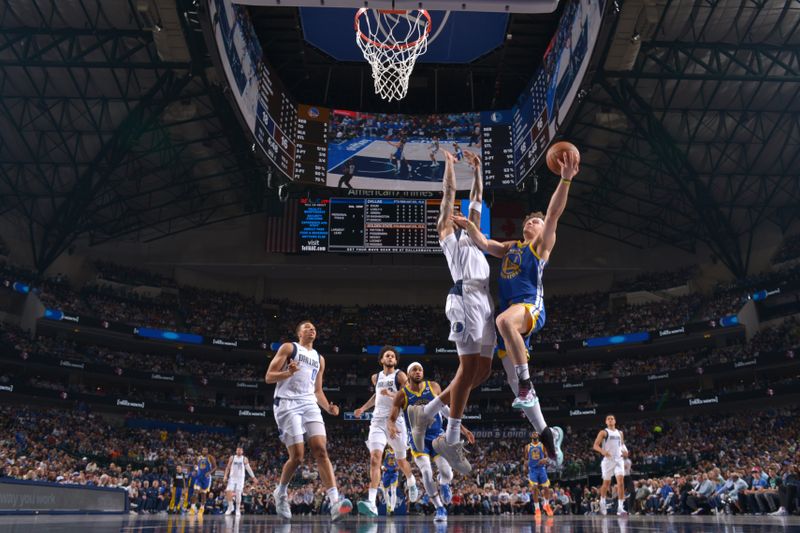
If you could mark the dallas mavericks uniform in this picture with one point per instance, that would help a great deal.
(537, 474)
(295, 406)
(378, 431)
(469, 304)
(434, 430)
(202, 482)
(614, 466)
(434, 148)
(236, 475)
(389, 477)
(521, 283)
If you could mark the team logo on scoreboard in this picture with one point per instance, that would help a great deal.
(497, 117)
(313, 112)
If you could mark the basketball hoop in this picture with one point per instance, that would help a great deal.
(391, 41)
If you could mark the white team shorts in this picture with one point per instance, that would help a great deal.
(612, 468)
(235, 485)
(379, 437)
(298, 418)
(471, 317)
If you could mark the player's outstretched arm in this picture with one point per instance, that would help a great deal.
(248, 469)
(322, 400)
(275, 372)
(476, 192)
(444, 225)
(490, 246)
(370, 403)
(558, 202)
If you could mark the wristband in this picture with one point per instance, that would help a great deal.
(566, 181)
(476, 206)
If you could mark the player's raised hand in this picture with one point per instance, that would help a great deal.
(472, 159)
(293, 368)
(570, 164)
(333, 409)
(460, 220)
(468, 434)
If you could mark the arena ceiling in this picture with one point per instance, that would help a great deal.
(114, 124)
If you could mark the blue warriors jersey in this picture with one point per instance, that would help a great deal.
(389, 470)
(203, 481)
(435, 429)
(537, 474)
(521, 283)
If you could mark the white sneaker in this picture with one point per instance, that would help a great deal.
(780, 512)
(525, 401)
(367, 508)
(413, 493)
(282, 506)
(419, 425)
(238, 512)
(341, 508)
(453, 454)
(229, 510)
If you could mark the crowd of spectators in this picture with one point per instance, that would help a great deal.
(446, 127)
(131, 275)
(231, 315)
(790, 249)
(656, 281)
(752, 466)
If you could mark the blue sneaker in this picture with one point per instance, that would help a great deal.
(441, 515)
(446, 493)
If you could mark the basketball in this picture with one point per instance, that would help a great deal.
(554, 155)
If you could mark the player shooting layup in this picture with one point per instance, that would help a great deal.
(471, 313)
(522, 298)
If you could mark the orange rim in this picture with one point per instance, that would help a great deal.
(403, 46)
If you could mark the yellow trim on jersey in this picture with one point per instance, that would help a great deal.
(418, 394)
(501, 354)
(416, 454)
(534, 318)
(533, 250)
(534, 484)
(405, 399)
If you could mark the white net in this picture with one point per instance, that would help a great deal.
(391, 42)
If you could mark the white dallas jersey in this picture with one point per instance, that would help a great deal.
(237, 468)
(383, 403)
(464, 259)
(613, 443)
(300, 386)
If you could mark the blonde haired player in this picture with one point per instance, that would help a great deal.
(297, 370)
(522, 297)
(234, 475)
(610, 443)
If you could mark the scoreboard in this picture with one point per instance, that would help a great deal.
(383, 225)
(311, 151)
(374, 225)
(532, 128)
(276, 120)
(497, 153)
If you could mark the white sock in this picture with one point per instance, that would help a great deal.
(239, 501)
(536, 505)
(453, 433)
(282, 489)
(620, 503)
(437, 501)
(536, 417)
(523, 373)
(411, 481)
(602, 503)
(333, 495)
(373, 493)
(433, 407)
